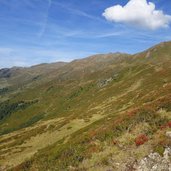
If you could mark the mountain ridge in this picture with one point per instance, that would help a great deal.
(89, 114)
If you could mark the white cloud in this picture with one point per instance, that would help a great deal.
(139, 13)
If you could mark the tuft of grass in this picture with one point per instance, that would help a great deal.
(159, 149)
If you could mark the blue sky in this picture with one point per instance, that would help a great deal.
(40, 31)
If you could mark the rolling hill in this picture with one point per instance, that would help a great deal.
(105, 112)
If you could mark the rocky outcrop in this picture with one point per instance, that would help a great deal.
(168, 134)
(105, 82)
(155, 162)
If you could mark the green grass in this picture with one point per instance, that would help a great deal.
(7, 108)
(130, 105)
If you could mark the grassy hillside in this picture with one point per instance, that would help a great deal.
(99, 113)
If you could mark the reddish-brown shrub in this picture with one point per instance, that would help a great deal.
(92, 134)
(169, 124)
(141, 139)
(93, 149)
(163, 126)
(132, 112)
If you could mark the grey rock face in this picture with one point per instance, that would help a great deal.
(168, 134)
(155, 162)
(103, 83)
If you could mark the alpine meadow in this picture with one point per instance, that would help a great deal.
(85, 86)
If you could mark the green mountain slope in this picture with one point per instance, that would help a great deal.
(15, 80)
(99, 113)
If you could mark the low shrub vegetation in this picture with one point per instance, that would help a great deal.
(7, 108)
(141, 139)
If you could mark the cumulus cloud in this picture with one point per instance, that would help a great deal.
(139, 13)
